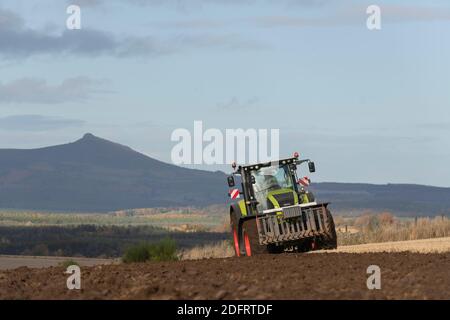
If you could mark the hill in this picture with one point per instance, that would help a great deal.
(401, 199)
(93, 174)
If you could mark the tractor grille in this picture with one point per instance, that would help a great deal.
(283, 199)
(295, 223)
(292, 212)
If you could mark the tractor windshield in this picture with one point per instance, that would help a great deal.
(270, 179)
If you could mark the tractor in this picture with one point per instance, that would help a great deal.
(277, 212)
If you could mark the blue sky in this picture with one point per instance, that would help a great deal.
(368, 106)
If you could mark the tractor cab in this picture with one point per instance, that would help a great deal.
(272, 185)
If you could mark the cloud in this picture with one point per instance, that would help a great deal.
(181, 4)
(184, 4)
(34, 90)
(342, 14)
(86, 3)
(415, 13)
(194, 24)
(148, 46)
(236, 104)
(18, 41)
(222, 41)
(352, 15)
(37, 123)
(10, 20)
(435, 126)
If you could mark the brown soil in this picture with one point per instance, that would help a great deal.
(404, 275)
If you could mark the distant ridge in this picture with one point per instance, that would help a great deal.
(96, 175)
(401, 199)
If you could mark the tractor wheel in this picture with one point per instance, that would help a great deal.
(251, 239)
(329, 240)
(235, 234)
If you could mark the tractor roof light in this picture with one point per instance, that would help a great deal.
(296, 155)
(233, 165)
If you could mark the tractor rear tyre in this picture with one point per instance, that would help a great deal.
(329, 240)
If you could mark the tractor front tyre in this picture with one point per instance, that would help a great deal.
(235, 234)
(251, 239)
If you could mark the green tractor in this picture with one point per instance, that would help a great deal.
(277, 213)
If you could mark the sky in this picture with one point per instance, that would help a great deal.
(367, 105)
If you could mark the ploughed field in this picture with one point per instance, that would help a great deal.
(404, 275)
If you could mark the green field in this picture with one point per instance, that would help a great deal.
(177, 219)
(106, 234)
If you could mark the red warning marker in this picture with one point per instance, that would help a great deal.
(305, 181)
(234, 194)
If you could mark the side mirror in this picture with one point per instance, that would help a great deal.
(231, 182)
(312, 167)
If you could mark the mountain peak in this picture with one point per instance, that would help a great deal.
(91, 141)
(88, 136)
